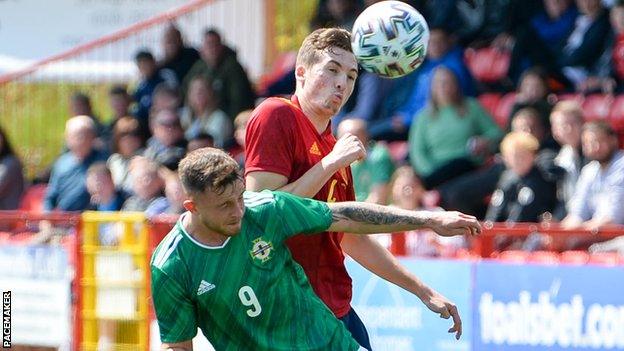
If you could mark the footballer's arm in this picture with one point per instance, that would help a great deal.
(367, 218)
(358, 217)
(178, 346)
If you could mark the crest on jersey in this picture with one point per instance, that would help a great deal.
(261, 250)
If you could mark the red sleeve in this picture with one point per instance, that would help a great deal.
(268, 139)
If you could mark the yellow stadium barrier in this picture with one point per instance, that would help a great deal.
(113, 282)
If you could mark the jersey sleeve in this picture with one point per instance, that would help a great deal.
(174, 310)
(268, 145)
(302, 215)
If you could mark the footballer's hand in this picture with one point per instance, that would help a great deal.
(446, 309)
(453, 223)
(347, 150)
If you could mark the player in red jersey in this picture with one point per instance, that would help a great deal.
(290, 147)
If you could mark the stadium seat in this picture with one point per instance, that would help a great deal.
(515, 256)
(597, 107)
(32, 201)
(574, 257)
(544, 257)
(490, 101)
(487, 65)
(503, 109)
(463, 254)
(605, 258)
(21, 238)
(4, 237)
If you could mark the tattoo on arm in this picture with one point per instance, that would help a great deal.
(374, 214)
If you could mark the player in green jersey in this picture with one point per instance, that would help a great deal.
(225, 268)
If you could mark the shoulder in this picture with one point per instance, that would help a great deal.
(275, 105)
(64, 162)
(379, 151)
(258, 200)
(166, 257)
(275, 111)
(11, 161)
(590, 170)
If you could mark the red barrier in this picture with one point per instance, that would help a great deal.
(483, 245)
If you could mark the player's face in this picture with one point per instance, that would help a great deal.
(328, 84)
(222, 212)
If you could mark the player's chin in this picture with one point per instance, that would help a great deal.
(232, 229)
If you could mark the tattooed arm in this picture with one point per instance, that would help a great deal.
(366, 218)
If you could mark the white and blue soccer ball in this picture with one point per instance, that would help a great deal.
(390, 38)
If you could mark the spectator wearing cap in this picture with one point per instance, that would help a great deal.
(167, 145)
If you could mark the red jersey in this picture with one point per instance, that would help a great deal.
(281, 139)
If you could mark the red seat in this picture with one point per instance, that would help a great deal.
(4, 237)
(32, 200)
(487, 65)
(463, 254)
(501, 116)
(544, 257)
(617, 108)
(597, 106)
(490, 101)
(605, 258)
(574, 257)
(516, 256)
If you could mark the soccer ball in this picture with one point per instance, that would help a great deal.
(390, 38)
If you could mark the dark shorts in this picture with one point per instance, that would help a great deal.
(354, 324)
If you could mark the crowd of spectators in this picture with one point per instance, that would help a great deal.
(431, 142)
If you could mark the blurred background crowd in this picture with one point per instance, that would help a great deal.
(514, 117)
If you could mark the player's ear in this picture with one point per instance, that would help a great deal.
(189, 205)
(300, 72)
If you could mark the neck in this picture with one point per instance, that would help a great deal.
(318, 118)
(204, 110)
(199, 232)
(604, 164)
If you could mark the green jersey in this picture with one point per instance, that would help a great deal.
(247, 294)
(375, 169)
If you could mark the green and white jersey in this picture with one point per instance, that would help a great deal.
(247, 294)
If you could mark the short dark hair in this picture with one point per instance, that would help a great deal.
(202, 136)
(81, 97)
(322, 39)
(144, 55)
(601, 127)
(212, 31)
(119, 90)
(208, 169)
(5, 145)
(99, 167)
